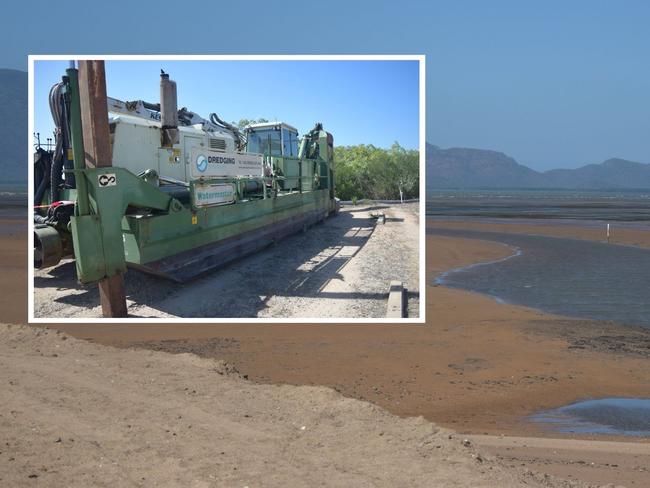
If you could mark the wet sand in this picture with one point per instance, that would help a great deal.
(620, 232)
(477, 366)
(13, 263)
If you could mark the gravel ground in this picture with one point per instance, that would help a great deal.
(338, 269)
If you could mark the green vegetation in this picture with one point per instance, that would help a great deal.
(366, 171)
(244, 122)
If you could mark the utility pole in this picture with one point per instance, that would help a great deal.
(94, 120)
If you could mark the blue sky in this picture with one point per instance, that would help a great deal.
(369, 102)
(553, 83)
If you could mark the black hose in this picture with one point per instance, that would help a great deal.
(58, 107)
(56, 173)
(39, 178)
(42, 164)
(214, 118)
(68, 164)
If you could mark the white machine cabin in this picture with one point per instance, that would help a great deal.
(135, 133)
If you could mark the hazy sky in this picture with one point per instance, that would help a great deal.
(370, 102)
(553, 83)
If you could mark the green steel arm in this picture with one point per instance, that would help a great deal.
(76, 133)
(97, 236)
(103, 195)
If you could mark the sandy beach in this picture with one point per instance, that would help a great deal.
(79, 415)
(13, 262)
(340, 268)
(477, 366)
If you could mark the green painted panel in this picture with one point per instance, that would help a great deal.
(151, 238)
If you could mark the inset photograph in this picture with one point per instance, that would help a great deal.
(227, 188)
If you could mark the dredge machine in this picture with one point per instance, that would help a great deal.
(184, 195)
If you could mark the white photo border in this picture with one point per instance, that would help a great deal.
(297, 57)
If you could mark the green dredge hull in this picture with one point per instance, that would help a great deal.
(186, 245)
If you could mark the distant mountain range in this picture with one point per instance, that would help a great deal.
(479, 168)
(446, 168)
(13, 125)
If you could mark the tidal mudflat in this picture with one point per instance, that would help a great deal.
(563, 276)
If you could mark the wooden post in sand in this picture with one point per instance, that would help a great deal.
(94, 120)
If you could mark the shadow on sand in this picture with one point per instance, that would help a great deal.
(300, 265)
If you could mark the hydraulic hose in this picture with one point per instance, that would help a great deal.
(214, 118)
(58, 108)
(42, 163)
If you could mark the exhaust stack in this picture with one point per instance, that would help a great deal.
(168, 110)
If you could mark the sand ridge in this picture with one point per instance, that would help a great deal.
(79, 414)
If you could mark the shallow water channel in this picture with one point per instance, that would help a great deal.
(572, 277)
(613, 416)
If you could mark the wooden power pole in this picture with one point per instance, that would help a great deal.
(94, 120)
